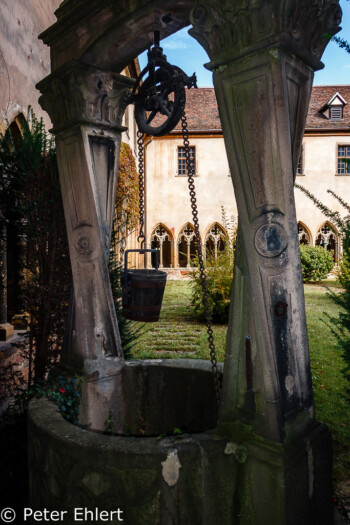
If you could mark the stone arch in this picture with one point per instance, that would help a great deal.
(186, 244)
(15, 128)
(328, 237)
(304, 234)
(118, 35)
(163, 240)
(271, 63)
(15, 241)
(216, 239)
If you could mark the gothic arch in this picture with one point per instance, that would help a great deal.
(215, 239)
(15, 128)
(186, 245)
(304, 234)
(328, 237)
(15, 242)
(163, 240)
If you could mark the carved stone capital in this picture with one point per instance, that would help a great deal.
(81, 94)
(228, 30)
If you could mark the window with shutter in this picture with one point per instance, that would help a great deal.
(336, 112)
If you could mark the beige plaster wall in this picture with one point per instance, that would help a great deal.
(320, 166)
(167, 196)
(24, 59)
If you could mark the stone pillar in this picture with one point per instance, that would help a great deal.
(6, 329)
(86, 106)
(263, 56)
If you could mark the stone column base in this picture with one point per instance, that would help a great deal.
(285, 484)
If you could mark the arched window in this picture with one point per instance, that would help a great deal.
(15, 242)
(15, 128)
(162, 240)
(327, 238)
(303, 234)
(187, 246)
(215, 240)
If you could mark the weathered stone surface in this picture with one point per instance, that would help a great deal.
(165, 394)
(263, 55)
(86, 106)
(24, 60)
(6, 331)
(111, 35)
(189, 479)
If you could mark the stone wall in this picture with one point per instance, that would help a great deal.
(24, 59)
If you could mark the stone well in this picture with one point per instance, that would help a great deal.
(204, 475)
(153, 479)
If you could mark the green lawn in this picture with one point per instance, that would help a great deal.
(179, 334)
(330, 381)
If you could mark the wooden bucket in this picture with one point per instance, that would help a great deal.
(143, 292)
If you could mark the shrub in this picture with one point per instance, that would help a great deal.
(342, 323)
(30, 199)
(316, 262)
(219, 273)
(125, 220)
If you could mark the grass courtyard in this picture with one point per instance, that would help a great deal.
(179, 334)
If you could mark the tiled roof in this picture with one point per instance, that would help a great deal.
(202, 112)
(319, 97)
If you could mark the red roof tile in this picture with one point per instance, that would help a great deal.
(319, 97)
(202, 112)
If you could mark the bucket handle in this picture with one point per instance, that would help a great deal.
(141, 251)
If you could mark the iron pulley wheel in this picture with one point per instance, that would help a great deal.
(162, 95)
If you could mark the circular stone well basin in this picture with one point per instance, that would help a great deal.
(177, 479)
(163, 396)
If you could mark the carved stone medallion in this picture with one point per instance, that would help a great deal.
(84, 241)
(271, 240)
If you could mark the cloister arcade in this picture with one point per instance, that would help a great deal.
(180, 254)
(327, 236)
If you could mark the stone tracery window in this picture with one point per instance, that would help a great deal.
(187, 246)
(162, 240)
(327, 238)
(304, 237)
(215, 241)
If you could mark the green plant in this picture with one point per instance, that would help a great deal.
(65, 392)
(219, 272)
(341, 323)
(30, 199)
(125, 220)
(109, 424)
(316, 262)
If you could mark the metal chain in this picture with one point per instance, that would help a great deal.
(190, 174)
(140, 154)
